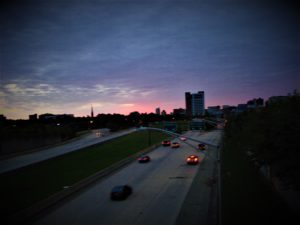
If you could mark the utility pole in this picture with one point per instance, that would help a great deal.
(149, 137)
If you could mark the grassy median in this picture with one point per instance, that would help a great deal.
(24, 187)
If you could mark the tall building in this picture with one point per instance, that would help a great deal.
(188, 104)
(194, 104)
(157, 111)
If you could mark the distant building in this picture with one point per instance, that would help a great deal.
(49, 116)
(275, 99)
(179, 112)
(215, 111)
(241, 108)
(33, 117)
(163, 113)
(157, 111)
(188, 104)
(2, 118)
(255, 103)
(227, 109)
(195, 104)
(213, 108)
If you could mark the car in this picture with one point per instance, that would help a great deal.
(183, 138)
(175, 145)
(192, 160)
(166, 143)
(144, 159)
(201, 146)
(120, 192)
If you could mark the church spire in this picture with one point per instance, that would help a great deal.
(92, 111)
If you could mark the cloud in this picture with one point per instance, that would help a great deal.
(127, 105)
(88, 106)
(60, 98)
(15, 89)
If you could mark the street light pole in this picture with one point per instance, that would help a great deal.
(149, 137)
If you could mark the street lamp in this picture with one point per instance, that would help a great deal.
(149, 137)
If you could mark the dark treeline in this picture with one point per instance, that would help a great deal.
(269, 137)
(68, 126)
(24, 134)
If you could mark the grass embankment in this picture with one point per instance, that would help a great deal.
(247, 196)
(263, 138)
(24, 187)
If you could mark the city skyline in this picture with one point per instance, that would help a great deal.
(250, 104)
(123, 56)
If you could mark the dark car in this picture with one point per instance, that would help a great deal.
(192, 160)
(144, 159)
(120, 192)
(201, 146)
(166, 143)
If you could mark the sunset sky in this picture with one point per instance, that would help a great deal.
(62, 56)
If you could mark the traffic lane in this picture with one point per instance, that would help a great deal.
(157, 185)
(209, 137)
(201, 203)
(38, 156)
(151, 201)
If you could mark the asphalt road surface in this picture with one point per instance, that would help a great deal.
(159, 190)
(74, 145)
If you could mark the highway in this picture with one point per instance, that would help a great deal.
(159, 190)
(47, 153)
